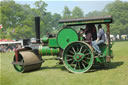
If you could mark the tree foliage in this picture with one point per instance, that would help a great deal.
(18, 19)
(119, 12)
(66, 13)
(77, 13)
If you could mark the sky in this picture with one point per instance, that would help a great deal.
(57, 6)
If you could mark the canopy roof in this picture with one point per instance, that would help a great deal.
(84, 21)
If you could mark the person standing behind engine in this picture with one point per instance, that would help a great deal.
(90, 33)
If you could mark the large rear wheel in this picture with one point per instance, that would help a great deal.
(78, 57)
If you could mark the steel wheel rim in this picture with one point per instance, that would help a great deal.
(19, 68)
(78, 57)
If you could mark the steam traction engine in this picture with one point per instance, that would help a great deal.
(77, 55)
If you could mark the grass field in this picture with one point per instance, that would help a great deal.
(52, 74)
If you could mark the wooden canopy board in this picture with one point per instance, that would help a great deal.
(84, 21)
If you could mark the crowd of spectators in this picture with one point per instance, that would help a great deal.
(9, 47)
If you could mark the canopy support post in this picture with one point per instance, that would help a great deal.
(108, 41)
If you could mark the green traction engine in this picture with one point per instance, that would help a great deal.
(76, 54)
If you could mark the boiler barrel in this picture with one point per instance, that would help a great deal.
(45, 50)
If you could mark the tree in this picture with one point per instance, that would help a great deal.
(66, 13)
(96, 14)
(119, 11)
(55, 18)
(40, 9)
(18, 20)
(15, 18)
(77, 13)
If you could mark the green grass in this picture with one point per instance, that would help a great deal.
(52, 74)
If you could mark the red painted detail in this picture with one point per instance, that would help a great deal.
(80, 56)
(16, 55)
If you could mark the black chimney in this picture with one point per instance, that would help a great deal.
(37, 29)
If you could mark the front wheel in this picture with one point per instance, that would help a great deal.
(78, 57)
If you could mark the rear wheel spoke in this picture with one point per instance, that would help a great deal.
(84, 51)
(77, 48)
(71, 52)
(74, 50)
(69, 59)
(79, 65)
(85, 61)
(87, 54)
(75, 66)
(69, 55)
(81, 49)
(73, 62)
(87, 58)
(83, 64)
